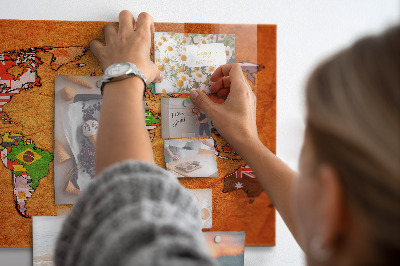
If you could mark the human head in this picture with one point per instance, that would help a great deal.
(347, 199)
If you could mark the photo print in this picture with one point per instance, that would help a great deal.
(191, 158)
(180, 118)
(77, 103)
(226, 247)
(45, 230)
(188, 60)
(204, 199)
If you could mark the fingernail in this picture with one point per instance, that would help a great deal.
(194, 94)
(160, 78)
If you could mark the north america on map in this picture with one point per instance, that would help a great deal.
(27, 163)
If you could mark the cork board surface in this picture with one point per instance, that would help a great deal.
(32, 53)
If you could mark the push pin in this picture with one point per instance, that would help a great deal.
(217, 239)
(186, 102)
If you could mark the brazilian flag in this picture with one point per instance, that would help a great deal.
(34, 160)
(150, 119)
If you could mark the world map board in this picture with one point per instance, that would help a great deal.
(34, 52)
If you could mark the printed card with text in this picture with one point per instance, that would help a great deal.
(187, 60)
(180, 118)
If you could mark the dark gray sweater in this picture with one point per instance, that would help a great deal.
(134, 213)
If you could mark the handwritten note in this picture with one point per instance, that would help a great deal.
(177, 118)
(210, 54)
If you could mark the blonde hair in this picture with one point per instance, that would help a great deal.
(353, 120)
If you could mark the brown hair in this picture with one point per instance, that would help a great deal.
(353, 120)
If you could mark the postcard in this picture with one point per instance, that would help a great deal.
(226, 247)
(191, 157)
(187, 60)
(204, 199)
(180, 118)
(45, 230)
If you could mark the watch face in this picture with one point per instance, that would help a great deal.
(118, 69)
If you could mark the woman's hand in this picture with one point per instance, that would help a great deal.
(235, 119)
(130, 42)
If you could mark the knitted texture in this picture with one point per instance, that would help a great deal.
(134, 213)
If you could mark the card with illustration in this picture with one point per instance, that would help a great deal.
(204, 198)
(187, 60)
(226, 247)
(45, 230)
(180, 118)
(191, 157)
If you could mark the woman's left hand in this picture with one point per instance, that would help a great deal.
(131, 42)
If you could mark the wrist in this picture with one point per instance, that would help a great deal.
(244, 145)
(133, 86)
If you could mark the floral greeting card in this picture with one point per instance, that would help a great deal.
(187, 60)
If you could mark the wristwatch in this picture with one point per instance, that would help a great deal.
(121, 71)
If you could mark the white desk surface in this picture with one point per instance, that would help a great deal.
(307, 32)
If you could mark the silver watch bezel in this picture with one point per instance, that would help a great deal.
(132, 71)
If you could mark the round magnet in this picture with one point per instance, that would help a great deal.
(98, 83)
(217, 239)
(186, 102)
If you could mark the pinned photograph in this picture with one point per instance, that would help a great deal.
(180, 118)
(204, 199)
(188, 60)
(226, 247)
(191, 158)
(45, 230)
(77, 103)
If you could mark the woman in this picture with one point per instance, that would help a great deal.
(201, 117)
(343, 208)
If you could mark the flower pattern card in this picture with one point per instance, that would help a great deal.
(187, 60)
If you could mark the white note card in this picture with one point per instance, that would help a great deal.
(210, 54)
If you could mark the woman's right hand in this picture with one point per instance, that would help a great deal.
(235, 119)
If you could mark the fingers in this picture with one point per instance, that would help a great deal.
(145, 24)
(231, 70)
(225, 82)
(157, 74)
(96, 47)
(110, 32)
(201, 100)
(223, 93)
(126, 22)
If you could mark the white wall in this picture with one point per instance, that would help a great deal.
(307, 32)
